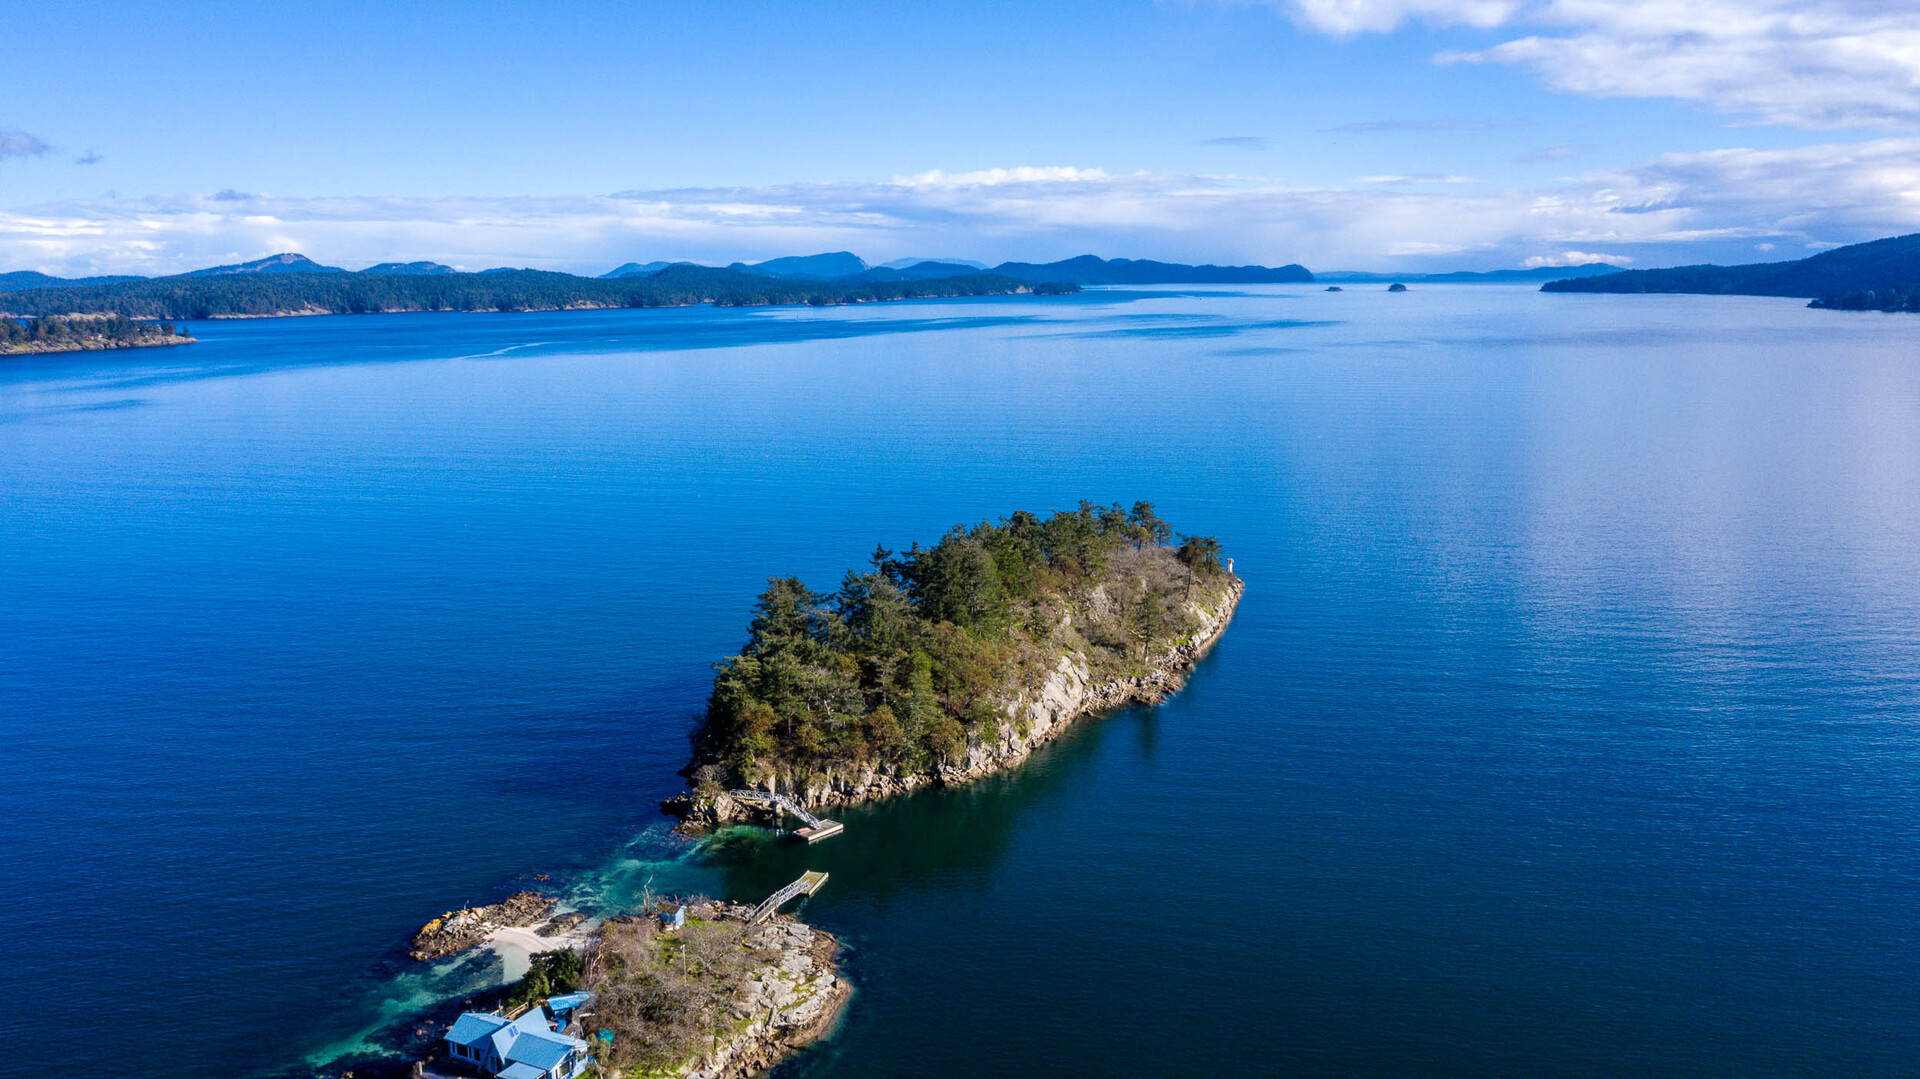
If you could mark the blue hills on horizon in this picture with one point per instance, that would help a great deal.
(844, 267)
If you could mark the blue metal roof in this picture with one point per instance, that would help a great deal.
(535, 1018)
(568, 1002)
(522, 1071)
(505, 1039)
(472, 1028)
(543, 1049)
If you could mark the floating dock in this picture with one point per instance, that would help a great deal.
(817, 828)
(813, 833)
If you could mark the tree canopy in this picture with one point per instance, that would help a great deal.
(912, 658)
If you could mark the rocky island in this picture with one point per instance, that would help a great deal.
(84, 333)
(945, 664)
(712, 990)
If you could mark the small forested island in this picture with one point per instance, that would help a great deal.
(943, 664)
(263, 295)
(81, 333)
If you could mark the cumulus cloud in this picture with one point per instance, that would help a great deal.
(1810, 63)
(1574, 258)
(1676, 207)
(17, 143)
(1375, 16)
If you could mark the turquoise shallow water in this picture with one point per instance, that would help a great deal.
(1568, 725)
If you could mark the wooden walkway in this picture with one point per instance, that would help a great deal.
(817, 827)
(808, 884)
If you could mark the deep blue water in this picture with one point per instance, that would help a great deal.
(1568, 727)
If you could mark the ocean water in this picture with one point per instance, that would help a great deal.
(1570, 724)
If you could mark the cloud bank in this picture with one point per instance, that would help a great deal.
(1809, 63)
(1675, 206)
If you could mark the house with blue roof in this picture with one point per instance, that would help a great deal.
(523, 1047)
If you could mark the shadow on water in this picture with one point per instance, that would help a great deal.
(937, 837)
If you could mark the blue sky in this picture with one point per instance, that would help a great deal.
(1415, 134)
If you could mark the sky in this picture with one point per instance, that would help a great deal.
(1343, 134)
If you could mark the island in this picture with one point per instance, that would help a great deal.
(944, 664)
(82, 333)
(325, 291)
(690, 988)
(935, 665)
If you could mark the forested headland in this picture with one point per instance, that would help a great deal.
(270, 294)
(1895, 298)
(81, 334)
(1875, 267)
(939, 661)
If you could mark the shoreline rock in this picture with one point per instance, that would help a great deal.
(458, 930)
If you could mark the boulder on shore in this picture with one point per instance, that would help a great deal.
(457, 930)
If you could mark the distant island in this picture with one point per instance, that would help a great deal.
(292, 284)
(943, 664)
(84, 334)
(1879, 275)
(225, 293)
(1089, 270)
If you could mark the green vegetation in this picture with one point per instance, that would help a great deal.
(262, 294)
(77, 334)
(550, 974)
(1877, 266)
(925, 652)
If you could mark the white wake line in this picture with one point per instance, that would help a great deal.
(504, 351)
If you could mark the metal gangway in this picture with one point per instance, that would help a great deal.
(817, 827)
(808, 884)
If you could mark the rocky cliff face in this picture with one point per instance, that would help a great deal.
(1035, 715)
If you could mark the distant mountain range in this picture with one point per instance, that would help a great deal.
(828, 267)
(22, 280)
(1859, 268)
(286, 263)
(1090, 270)
(409, 268)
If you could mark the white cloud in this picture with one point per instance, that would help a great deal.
(1811, 63)
(1574, 258)
(1652, 212)
(1375, 16)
